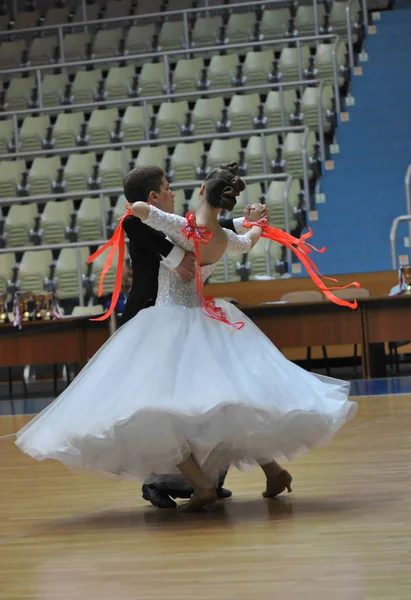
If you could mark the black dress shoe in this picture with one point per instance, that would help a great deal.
(158, 498)
(223, 493)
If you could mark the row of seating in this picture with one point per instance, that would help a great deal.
(38, 272)
(172, 120)
(187, 163)
(189, 75)
(272, 19)
(208, 31)
(59, 222)
(74, 12)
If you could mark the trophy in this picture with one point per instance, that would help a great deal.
(38, 311)
(24, 307)
(406, 280)
(4, 317)
(46, 311)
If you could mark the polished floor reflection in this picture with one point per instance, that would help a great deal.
(343, 534)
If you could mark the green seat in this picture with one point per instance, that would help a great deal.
(101, 125)
(54, 220)
(179, 203)
(6, 134)
(293, 155)
(66, 129)
(134, 126)
(118, 82)
(240, 28)
(10, 54)
(325, 63)
(57, 16)
(34, 268)
(66, 272)
(257, 67)
(85, 85)
(10, 176)
(221, 71)
(139, 38)
(106, 45)
(272, 106)
(277, 199)
(242, 110)
(172, 36)
(274, 23)
(33, 132)
(206, 113)
(53, 88)
(75, 46)
(113, 169)
(18, 224)
(151, 155)
(42, 49)
(254, 153)
(89, 219)
(262, 259)
(186, 74)
(223, 152)
(152, 79)
(78, 170)
(19, 91)
(185, 160)
(7, 262)
(42, 174)
(304, 21)
(309, 106)
(171, 117)
(206, 31)
(288, 64)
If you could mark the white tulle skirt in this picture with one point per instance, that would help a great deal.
(171, 382)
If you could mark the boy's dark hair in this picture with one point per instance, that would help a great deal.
(139, 182)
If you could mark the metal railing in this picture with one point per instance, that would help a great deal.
(407, 183)
(185, 14)
(149, 99)
(123, 146)
(116, 191)
(393, 237)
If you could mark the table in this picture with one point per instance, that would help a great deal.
(376, 321)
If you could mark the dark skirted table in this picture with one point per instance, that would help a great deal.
(376, 321)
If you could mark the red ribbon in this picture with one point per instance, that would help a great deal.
(301, 249)
(117, 242)
(201, 235)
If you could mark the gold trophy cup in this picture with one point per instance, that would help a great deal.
(406, 276)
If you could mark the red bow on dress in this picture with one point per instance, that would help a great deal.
(201, 235)
(301, 249)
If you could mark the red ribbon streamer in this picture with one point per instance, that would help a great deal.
(301, 249)
(117, 242)
(201, 235)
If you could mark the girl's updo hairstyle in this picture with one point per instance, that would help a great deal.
(222, 186)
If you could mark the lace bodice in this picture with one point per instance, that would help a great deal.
(172, 290)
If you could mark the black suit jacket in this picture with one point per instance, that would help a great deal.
(147, 246)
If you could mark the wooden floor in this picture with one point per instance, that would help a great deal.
(343, 534)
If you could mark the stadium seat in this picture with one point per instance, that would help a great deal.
(10, 176)
(101, 125)
(18, 93)
(185, 160)
(89, 219)
(206, 113)
(170, 118)
(34, 268)
(18, 223)
(32, 133)
(66, 129)
(78, 170)
(54, 220)
(118, 82)
(42, 174)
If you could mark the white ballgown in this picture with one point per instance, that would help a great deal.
(173, 381)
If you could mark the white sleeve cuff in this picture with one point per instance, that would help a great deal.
(238, 225)
(174, 258)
